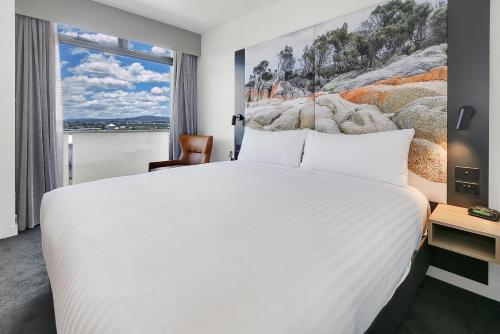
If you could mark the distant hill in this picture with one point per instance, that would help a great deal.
(148, 119)
(143, 123)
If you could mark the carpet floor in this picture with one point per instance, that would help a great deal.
(26, 301)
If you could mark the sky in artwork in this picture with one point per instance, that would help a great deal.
(299, 39)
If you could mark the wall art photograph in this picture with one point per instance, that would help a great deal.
(379, 69)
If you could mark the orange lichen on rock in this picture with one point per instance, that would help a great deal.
(390, 98)
(437, 73)
(313, 96)
(371, 94)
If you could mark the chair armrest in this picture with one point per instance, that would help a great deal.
(167, 163)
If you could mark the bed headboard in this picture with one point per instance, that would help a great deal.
(361, 73)
(269, 86)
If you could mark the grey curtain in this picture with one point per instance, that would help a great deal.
(183, 119)
(37, 121)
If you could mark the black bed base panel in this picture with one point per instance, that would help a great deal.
(459, 264)
(391, 316)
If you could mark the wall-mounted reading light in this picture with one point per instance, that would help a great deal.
(238, 117)
(464, 116)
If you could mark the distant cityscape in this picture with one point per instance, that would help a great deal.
(139, 123)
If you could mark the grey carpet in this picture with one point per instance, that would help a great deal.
(25, 297)
(26, 300)
(442, 308)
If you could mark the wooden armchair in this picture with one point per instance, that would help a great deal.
(195, 150)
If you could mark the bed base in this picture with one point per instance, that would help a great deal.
(390, 317)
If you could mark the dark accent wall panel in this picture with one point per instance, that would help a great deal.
(239, 97)
(468, 85)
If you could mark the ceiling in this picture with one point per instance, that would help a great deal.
(194, 15)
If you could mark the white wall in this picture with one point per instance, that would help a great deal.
(97, 17)
(216, 65)
(216, 101)
(99, 155)
(494, 180)
(7, 96)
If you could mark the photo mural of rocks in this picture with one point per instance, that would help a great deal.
(379, 69)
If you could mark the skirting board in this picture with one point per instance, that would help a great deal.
(491, 291)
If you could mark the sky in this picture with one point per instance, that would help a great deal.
(299, 39)
(100, 85)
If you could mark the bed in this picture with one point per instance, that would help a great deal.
(228, 247)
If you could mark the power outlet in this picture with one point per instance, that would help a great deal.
(467, 174)
(467, 188)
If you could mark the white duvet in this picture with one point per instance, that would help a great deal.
(228, 247)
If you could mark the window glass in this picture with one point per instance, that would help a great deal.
(88, 36)
(103, 91)
(116, 105)
(156, 50)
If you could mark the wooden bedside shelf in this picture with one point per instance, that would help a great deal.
(451, 228)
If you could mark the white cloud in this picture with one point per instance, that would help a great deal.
(78, 51)
(76, 98)
(160, 90)
(114, 104)
(159, 51)
(92, 82)
(100, 38)
(93, 37)
(96, 64)
(70, 33)
(103, 87)
(156, 90)
(64, 63)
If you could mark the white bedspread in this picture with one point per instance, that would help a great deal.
(228, 247)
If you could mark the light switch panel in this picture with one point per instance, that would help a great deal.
(467, 174)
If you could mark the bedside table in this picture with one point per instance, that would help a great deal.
(451, 228)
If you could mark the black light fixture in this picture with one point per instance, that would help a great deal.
(464, 116)
(238, 117)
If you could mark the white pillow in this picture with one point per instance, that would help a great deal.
(381, 156)
(278, 147)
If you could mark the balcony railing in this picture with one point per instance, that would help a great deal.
(94, 155)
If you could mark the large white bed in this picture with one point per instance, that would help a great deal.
(230, 247)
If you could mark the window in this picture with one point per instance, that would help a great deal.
(65, 31)
(116, 104)
(113, 84)
(155, 50)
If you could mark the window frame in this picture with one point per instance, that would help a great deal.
(121, 49)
